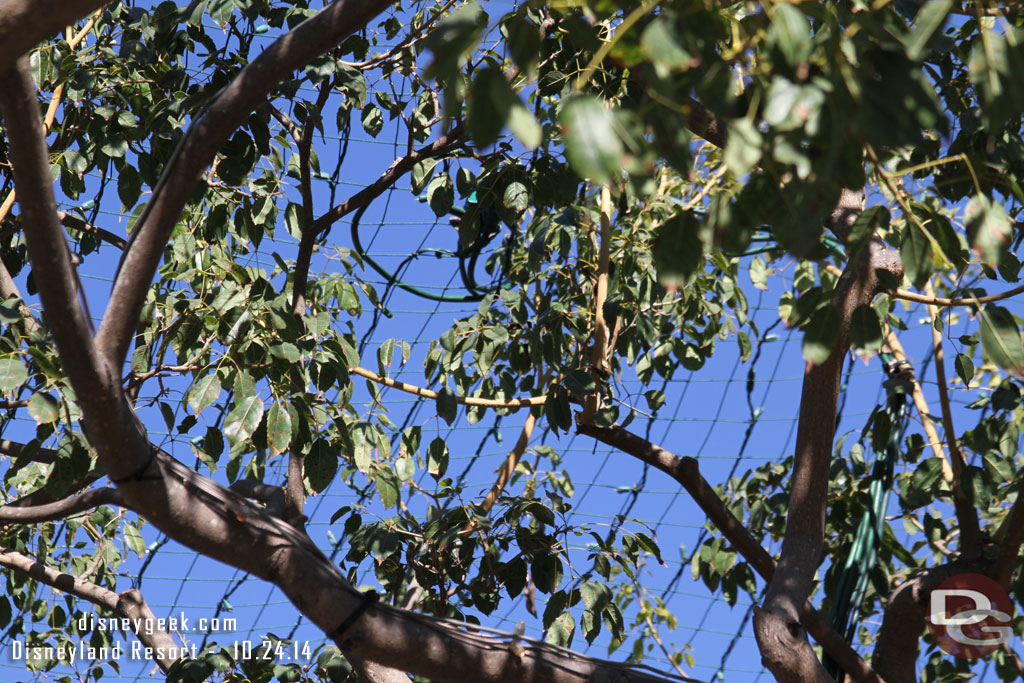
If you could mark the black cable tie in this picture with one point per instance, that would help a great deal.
(898, 367)
(369, 597)
(139, 474)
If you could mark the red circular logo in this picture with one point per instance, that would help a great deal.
(969, 616)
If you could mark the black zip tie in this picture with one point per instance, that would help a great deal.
(139, 474)
(369, 597)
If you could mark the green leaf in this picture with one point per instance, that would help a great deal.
(373, 119)
(746, 346)
(43, 408)
(865, 331)
(454, 38)
(114, 146)
(243, 420)
(916, 253)
(523, 43)
(988, 228)
(864, 226)
(405, 468)
(447, 407)
(134, 541)
(759, 272)
(662, 43)
(1000, 339)
(521, 123)
(743, 147)
(285, 351)
(927, 24)
(203, 393)
(591, 143)
(129, 185)
(421, 173)
(279, 427)
(978, 488)
(964, 368)
(437, 458)
(821, 334)
(517, 197)
(490, 100)
(12, 374)
(579, 382)
(320, 465)
(441, 194)
(679, 248)
(791, 34)
(387, 488)
(562, 630)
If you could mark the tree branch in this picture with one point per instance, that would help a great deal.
(129, 604)
(509, 467)
(686, 471)
(396, 170)
(272, 497)
(295, 491)
(198, 148)
(899, 637)
(966, 514)
(61, 509)
(110, 423)
(940, 301)
(26, 23)
(784, 647)
(461, 400)
(934, 441)
(75, 223)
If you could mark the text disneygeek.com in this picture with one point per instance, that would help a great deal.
(69, 653)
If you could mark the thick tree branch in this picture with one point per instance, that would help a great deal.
(110, 419)
(272, 497)
(26, 23)
(129, 604)
(784, 647)
(686, 471)
(295, 492)
(899, 637)
(61, 509)
(1009, 536)
(198, 148)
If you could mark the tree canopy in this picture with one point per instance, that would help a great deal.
(622, 177)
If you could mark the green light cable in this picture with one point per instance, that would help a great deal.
(853, 582)
(470, 254)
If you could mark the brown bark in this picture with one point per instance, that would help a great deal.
(25, 23)
(780, 635)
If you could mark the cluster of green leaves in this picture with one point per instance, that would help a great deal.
(594, 94)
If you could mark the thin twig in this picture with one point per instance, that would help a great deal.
(967, 515)
(934, 440)
(461, 400)
(509, 468)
